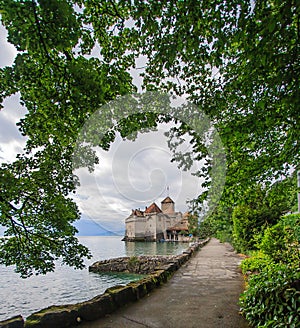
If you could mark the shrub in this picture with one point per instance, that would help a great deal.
(281, 241)
(219, 223)
(273, 242)
(292, 221)
(224, 236)
(272, 298)
(133, 263)
(260, 207)
(256, 263)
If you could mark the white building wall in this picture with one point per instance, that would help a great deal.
(130, 229)
(150, 229)
(161, 224)
(135, 227)
(140, 225)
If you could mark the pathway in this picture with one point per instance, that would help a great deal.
(203, 293)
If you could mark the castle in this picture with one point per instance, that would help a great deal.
(154, 223)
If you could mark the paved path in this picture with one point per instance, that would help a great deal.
(203, 293)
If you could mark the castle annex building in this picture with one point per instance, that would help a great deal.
(154, 223)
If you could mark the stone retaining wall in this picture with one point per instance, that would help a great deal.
(72, 315)
(134, 264)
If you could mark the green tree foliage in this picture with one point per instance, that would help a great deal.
(237, 60)
(218, 224)
(247, 223)
(193, 224)
(240, 222)
(60, 86)
(260, 209)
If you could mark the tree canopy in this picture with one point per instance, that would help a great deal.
(238, 61)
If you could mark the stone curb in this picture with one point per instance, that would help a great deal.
(71, 315)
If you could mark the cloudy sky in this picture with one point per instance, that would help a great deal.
(130, 175)
(11, 141)
(133, 175)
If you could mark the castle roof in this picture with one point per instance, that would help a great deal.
(153, 208)
(183, 225)
(167, 200)
(137, 212)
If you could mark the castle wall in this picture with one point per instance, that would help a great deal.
(150, 229)
(135, 227)
(163, 221)
(175, 218)
(140, 228)
(130, 229)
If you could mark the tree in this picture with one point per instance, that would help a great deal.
(60, 87)
(260, 209)
(238, 61)
(220, 222)
(193, 224)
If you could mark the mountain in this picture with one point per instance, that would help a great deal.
(87, 227)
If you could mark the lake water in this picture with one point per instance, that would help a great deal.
(66, 285)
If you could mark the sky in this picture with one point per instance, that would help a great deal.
(132, 174)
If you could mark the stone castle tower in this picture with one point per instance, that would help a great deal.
(168, 206)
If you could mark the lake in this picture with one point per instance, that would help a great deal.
(66, 285)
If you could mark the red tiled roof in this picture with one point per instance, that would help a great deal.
(153, 208)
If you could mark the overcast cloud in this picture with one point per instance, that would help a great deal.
(130, 175)
(11, 140)
(133, 175)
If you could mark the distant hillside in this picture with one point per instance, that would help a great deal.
(87, 227)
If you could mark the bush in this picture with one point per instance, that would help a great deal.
(272, 298)
(256, 263)
(224, 236)
(281, 241)
(292, 221)
(219, 223)
(133, 263)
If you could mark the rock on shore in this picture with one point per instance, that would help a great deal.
(133, 264)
